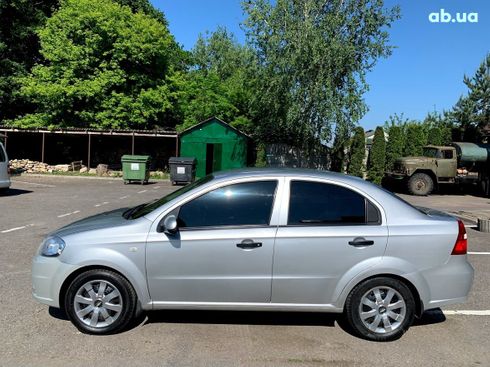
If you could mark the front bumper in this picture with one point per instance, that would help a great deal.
(395, 175)
(48, 275)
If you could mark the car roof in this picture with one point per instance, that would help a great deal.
(286, 172)
(386, 199)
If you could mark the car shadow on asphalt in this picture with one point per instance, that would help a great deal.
(57, 313)
(242, 318)
(429, 317)
(14, 192)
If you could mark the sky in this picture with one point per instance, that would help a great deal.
(425, 71)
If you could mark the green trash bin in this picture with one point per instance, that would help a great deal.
(136, 168)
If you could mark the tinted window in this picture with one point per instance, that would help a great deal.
(148, 208)
(319, 203)
(234, 205)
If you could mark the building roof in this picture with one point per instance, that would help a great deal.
(166, 132)
(215, 119)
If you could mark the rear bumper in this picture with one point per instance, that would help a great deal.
(48, 275)
(449, 284)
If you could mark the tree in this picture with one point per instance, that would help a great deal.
(479, 93)
(339, 149)
(312, 58)
(105, 67)
(464, 119)
(415, 139)
(377, 157)
(395, 128)
(439, 128)
(19, 48)
(219, 83)
(357, 153)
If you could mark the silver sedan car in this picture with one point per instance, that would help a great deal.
(269, 240)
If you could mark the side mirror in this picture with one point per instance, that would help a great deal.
(170, 224)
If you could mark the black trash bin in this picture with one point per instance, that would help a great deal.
(182, 169)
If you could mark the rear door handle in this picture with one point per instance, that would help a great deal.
(361, 242)
(249, 244)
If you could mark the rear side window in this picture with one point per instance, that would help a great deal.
(2, 153)
(243, 204)
(316, 203)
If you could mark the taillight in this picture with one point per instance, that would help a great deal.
(461, 245)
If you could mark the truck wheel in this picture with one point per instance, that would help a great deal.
(420, 184)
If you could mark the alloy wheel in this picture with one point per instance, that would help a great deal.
(382, 309)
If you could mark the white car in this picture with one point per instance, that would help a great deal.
(4, 169)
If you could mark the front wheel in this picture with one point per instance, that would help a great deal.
(420, 184)
(100, 302)
(380, 309)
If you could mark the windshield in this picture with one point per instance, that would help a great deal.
(431, 152)
(141, 210)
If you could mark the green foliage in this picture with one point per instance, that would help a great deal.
(415, 139)
(19, 48)
(439, 128)
(219, 84)
(479, 93)
(396, 140)
(339, 148)
(105, 67)
(434, 136)
(313, 56)
(377, 157)
(261, 160)
(357, 153)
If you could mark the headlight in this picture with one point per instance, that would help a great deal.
(52, 246)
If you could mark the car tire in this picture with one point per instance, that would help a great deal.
(420, 184)
(97, 313)
(380, 309)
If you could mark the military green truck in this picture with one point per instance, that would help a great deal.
(456, 164)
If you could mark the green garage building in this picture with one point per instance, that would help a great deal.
(215, 145)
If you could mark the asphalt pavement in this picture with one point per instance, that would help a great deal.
(34, 335)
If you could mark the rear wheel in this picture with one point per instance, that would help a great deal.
(100, 302)
(420, 184)
(380, 309)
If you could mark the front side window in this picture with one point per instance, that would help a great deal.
(243, 204)
(431, 152)
(316, 203)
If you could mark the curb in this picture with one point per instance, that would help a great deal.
(83, 177)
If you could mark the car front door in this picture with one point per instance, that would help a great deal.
(327, 231)
(222, 251)
(446, 164)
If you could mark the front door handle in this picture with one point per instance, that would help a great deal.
(249, 244)
(361, 242)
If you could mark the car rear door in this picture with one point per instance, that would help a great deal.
(4, 176)
(223, 249)
(328, 233)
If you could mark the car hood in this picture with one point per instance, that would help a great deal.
(108, 219)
